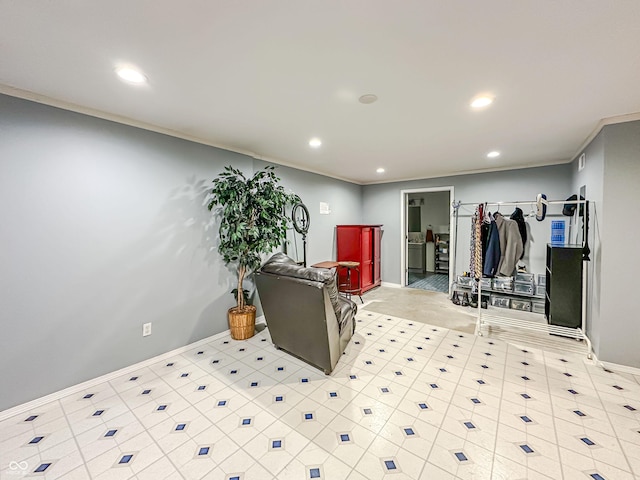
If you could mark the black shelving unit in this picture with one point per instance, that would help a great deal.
(563, 301)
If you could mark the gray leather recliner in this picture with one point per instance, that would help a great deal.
(305, 314)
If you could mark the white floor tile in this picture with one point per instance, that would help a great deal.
(406, 401)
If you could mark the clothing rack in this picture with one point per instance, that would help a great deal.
(487, 319)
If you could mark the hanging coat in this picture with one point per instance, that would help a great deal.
(510, 245)
(518, 217)
(492, 253)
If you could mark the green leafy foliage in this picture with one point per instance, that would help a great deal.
(245, 294)
(252, 216)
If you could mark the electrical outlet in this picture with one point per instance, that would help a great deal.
(146, 329)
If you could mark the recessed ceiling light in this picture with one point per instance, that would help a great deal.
(315, 142)
(368, 98)
(380, 170)
(481, 101)
(493, 154)
(131, 75)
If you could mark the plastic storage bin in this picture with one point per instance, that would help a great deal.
(504, 284)
(523, 288)
(525, 277)
(523, 305)
(498, 301)
(485, 283)
(542, 279)
(464, 281)
(557, 232)
(540, 290)
(537, 307)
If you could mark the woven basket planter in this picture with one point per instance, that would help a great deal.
(242, 323)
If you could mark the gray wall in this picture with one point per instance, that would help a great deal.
(592, 177)
(345, 203)
(620, 329)
(104, 229)
(381, 204)
(611, 176)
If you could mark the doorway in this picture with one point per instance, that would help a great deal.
(427, 258)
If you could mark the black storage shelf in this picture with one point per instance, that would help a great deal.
(563, 300)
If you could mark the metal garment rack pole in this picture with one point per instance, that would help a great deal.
(456, 205)
(498, 320)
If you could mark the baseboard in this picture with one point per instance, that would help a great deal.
(390, 285)
(614, 367)
(81, 387)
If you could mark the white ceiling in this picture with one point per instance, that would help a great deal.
(264, 76)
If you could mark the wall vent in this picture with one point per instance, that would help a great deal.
(581, 162)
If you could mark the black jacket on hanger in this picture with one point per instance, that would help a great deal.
(518, 216)
(491, 256)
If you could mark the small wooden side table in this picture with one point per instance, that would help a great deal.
(327, 264)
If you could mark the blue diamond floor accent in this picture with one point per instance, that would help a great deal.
(42, 467)
(526, 448)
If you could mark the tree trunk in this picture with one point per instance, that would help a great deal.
(240, 299)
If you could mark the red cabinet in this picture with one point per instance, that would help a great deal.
(360, 243)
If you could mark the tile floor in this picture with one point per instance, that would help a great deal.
(435, 282)
(407, 401)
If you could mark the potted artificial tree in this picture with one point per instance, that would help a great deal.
(252, 223)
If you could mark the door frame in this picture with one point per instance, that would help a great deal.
(404, 235)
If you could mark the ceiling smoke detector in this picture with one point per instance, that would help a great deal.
(368, 98)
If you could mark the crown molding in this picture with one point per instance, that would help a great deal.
(72, 107)
(46, 100)
(629, 117)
